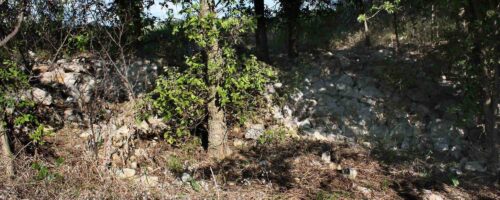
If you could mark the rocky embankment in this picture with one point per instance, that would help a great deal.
(346, 97)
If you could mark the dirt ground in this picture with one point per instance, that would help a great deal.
(288, 169)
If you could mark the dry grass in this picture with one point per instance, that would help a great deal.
(291, 169)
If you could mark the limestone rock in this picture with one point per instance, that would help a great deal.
(238, 143)
(429, 195)
(148, 181)
(156, 123)
(474, 166)
(41, 68)
(85, 134)
(186, 177)
(254, 131)
(73, 67)
(326, 157)
(350, 173)
(125, 173)
(39, 96)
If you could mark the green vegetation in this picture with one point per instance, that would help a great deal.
(404, 93)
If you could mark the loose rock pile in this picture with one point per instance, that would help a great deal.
(342, 98)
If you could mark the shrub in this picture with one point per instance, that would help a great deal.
(181, 95)
(15, 110)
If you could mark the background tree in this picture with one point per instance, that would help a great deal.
(130, 13)
(7, 77)
(291, 11)
(261, 31)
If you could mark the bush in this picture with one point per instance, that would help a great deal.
(181, 95)
(16, 111)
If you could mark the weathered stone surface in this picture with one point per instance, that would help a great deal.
(73, 67)
(254, 131)
(125, 173)
(326, 157)
(429, 195)
(156, 123)
(474, 166)
(186, 177)
(238, 143)
(350, 173)
(41, 68)
(39, 96)
(148, 181)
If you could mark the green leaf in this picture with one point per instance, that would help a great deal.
(195, 185)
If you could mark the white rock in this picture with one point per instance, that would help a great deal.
(304, 124)
(41, 68)
(287, 111)
(56, 76)
(74, 67)
(39, 96)
(344, 81)
(144, 126)
(134, 165)
(326, 157)
(85, 134)
(123, 131)
(270, 89)
(61, 61)
(254, 131)
(148, 181)
(238, 143)
(441, 144)
(429, 195)
(367, 144)
(186, 177)
(276, 111)
(125, 173)
(156, 123)
(278, 85)
(474, 166)
(204, 185)
(350, 173)
(367, 193)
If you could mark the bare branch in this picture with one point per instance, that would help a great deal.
(16, 29)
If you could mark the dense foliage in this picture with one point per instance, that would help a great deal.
(181, 95)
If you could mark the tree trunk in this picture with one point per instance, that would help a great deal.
(129, 12)
(367, 34)
(396, 32)
(489, 89)
(261, 32)
(494, 160)
(11, 35)
(495, 111)
(433, 23)
(292, 11)
(7, 152)
(217, 129)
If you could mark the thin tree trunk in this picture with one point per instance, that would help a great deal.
(7, 152)
(367, 34)
(494, 144)
(14, 32)
(217, 129)
(261, 32)
(433, 21)
(292, 11)
(396, 32)
(489, 87)
(494, 161)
